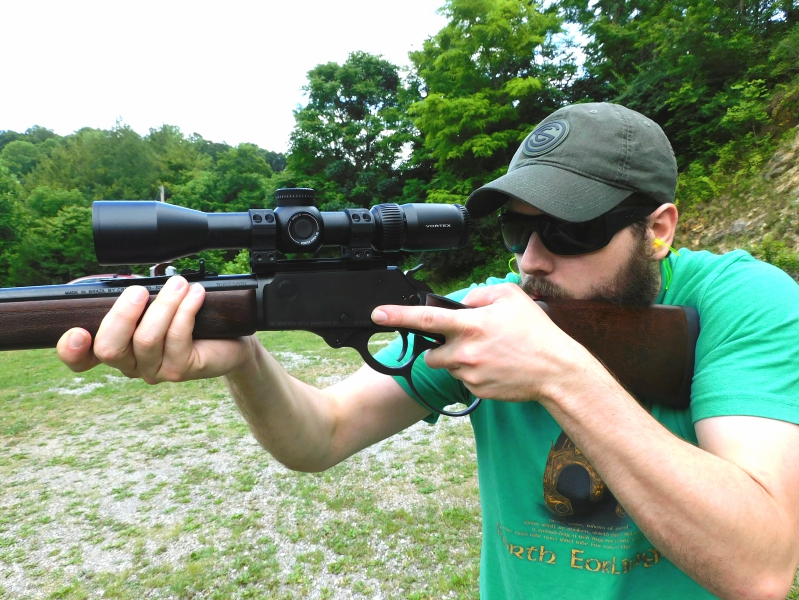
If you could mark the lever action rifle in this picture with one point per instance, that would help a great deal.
(332, 298)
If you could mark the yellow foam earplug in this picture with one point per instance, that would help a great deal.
(658, 243)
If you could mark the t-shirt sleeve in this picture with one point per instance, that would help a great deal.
(748, 347)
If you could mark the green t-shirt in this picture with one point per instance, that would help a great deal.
(535, 544)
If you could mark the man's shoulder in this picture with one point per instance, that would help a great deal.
(702, 275)
(749, 321)
(704, 263)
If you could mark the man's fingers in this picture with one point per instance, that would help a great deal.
(421, 318)
(75, 350)
(442, 320)
(112, 342)
(150, 335)
(178, 343)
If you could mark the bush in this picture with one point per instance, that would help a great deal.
(777, 253)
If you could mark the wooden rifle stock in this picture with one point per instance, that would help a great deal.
(40, 323)
(649, 350)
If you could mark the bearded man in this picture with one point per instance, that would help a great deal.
(586, 491)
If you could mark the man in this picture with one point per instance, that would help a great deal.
(586, 492)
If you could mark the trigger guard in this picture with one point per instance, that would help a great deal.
(404, 352)
(359, 341)
(421, 343)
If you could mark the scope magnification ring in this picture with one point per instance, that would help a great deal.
(303, 229)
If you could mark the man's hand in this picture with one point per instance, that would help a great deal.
(157, 346)
(507, 348)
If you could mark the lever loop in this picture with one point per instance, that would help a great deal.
(422, 342)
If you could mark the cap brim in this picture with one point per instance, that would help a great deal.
(557, 192)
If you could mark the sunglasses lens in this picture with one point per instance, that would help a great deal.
(516, 232)
(561, 237)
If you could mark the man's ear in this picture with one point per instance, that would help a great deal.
(662, 226)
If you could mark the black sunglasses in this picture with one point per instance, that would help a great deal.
(564, 237)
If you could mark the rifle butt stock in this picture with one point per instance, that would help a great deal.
(651, 350)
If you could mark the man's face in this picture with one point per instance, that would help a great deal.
(622, 272)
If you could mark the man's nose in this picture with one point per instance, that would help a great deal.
(536, 260)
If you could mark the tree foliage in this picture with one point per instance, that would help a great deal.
(47, 184)
(350, 136)
(688, 64)
(11, 220)
(238, 182)
(104, 165)
(55, 249)
(488, 75)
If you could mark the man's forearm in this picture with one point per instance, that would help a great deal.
(288, 417)
(728, 531)
(308, 429)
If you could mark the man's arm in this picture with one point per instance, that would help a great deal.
(308, 429)
(726, 512)
(303, 427)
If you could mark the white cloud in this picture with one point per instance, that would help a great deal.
(230, 71)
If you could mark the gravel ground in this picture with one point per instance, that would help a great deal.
(176, 500)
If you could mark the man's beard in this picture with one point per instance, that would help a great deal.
(636, 284)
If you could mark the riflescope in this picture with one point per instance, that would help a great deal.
(140, 232)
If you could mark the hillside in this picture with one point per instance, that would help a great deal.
(759, 214)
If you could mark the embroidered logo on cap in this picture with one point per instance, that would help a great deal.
(545, 138)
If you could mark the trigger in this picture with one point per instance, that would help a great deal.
(404, 336)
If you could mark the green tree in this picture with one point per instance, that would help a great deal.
(55, 249)
(179, 159)
(275, 160)
(486, 77)
(784, 61)
(7, 136)
(104, 165)
(212, 149)
(242, 173)
(348, 140)
(11, 220)
(240, 181)
(39, 135)
(44, 201)
(34, 135)
(685, 63)
(20, 157)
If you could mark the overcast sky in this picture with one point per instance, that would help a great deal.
(229, 70)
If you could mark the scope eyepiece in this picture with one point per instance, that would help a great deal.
(142, 232)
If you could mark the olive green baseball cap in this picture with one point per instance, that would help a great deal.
(582, 161)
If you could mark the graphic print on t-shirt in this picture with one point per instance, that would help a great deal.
(574, 491)
(576, 524)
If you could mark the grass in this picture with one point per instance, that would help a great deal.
(118, 489)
